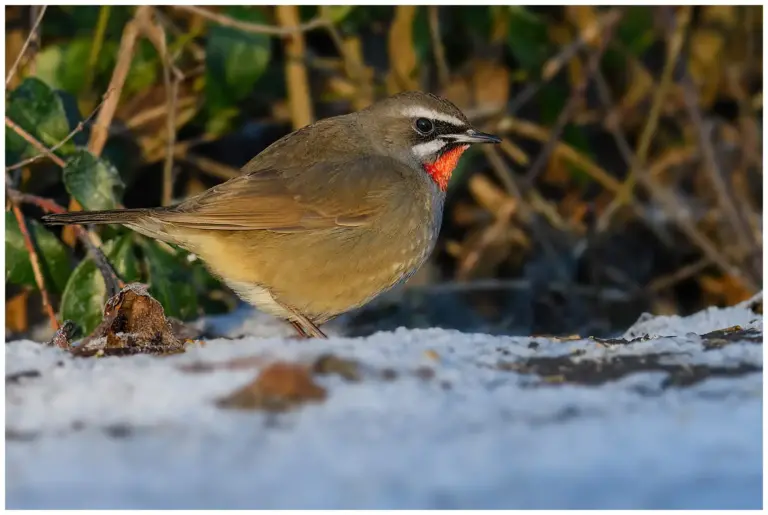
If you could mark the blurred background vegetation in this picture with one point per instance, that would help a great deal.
(629, 180)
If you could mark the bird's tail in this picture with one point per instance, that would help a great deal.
(143, 221)
(117, 216)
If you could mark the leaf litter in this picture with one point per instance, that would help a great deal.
(133, 323)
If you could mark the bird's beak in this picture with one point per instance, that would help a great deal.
(473, 136)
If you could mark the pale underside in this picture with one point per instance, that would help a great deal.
(318, 246)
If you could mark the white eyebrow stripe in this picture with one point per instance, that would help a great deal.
(423, 112)
(430, 148)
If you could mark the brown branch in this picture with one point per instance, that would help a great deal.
(587, 36)
(32, 33)
(89, 240)
(50, 151)
(554, 64)
(501, 168)
(670, 202)
(100, 130)
(563, 150)
(156, 34)
(443, 74)
(207, 165)
(667, 281)
(34, 261)
(34, 142)
(351, 54)
(625, 193)
(577, 95)
(723, 190)
(254, 28)
(299, 99)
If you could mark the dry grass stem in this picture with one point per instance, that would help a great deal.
(100, 130)
(34, 142)
(50, 151)
(299, 98)
(255, 28)
(89, 239)
(624, 196)
(29, 39)
(443, 74)
(576, 97)
(34, 261)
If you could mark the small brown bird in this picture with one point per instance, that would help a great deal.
(326, 218)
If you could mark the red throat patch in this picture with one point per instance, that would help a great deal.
(441, 170)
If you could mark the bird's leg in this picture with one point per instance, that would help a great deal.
(300, 330)
(304, 326)
(313, 329)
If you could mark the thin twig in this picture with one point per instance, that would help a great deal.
(496, 161)
(156, 34)
(89, 240)
(443, 74)
(100, 130)
(577, 95)
(207, 165)
(34, 260)
(26, 44)
(556, 63)
(670, 202)
(33, 141)
(50, 151)
(351, 53)
(255, 28)
(553, 65)
(723, 189)
(299, 98)
(667, 281)
(98, 43)
(34, 39)
(625, 193)
(562, 149)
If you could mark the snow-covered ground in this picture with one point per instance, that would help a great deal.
(500, 422)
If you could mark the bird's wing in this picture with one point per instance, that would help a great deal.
(324, 195)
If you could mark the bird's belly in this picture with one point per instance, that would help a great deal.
(320, 277)
(349, 282)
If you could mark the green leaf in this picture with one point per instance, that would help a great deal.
(576, 138)
(422, 38)
(336, 13)
(84, 297)
(144, 68)
(47, 63)
(93, 181)
(551, 100)
(220, 122)
(72, 72)
(37, 109)
(235, 60)
(54, 258)
(477, 19)
(122, 256)
(636, 29)
(86, 293)
(170, 280)
(528, 39)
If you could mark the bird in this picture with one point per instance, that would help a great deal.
(326, 218)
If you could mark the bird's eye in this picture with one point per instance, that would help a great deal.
(424, 126)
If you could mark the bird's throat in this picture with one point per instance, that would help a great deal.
(443, 167)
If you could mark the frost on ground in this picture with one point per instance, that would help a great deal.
(669, 417)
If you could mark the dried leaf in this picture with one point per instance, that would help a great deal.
(279, 387)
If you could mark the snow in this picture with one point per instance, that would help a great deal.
(140, 432)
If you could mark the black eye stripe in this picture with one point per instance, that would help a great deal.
(437, 128)
(442, 127)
